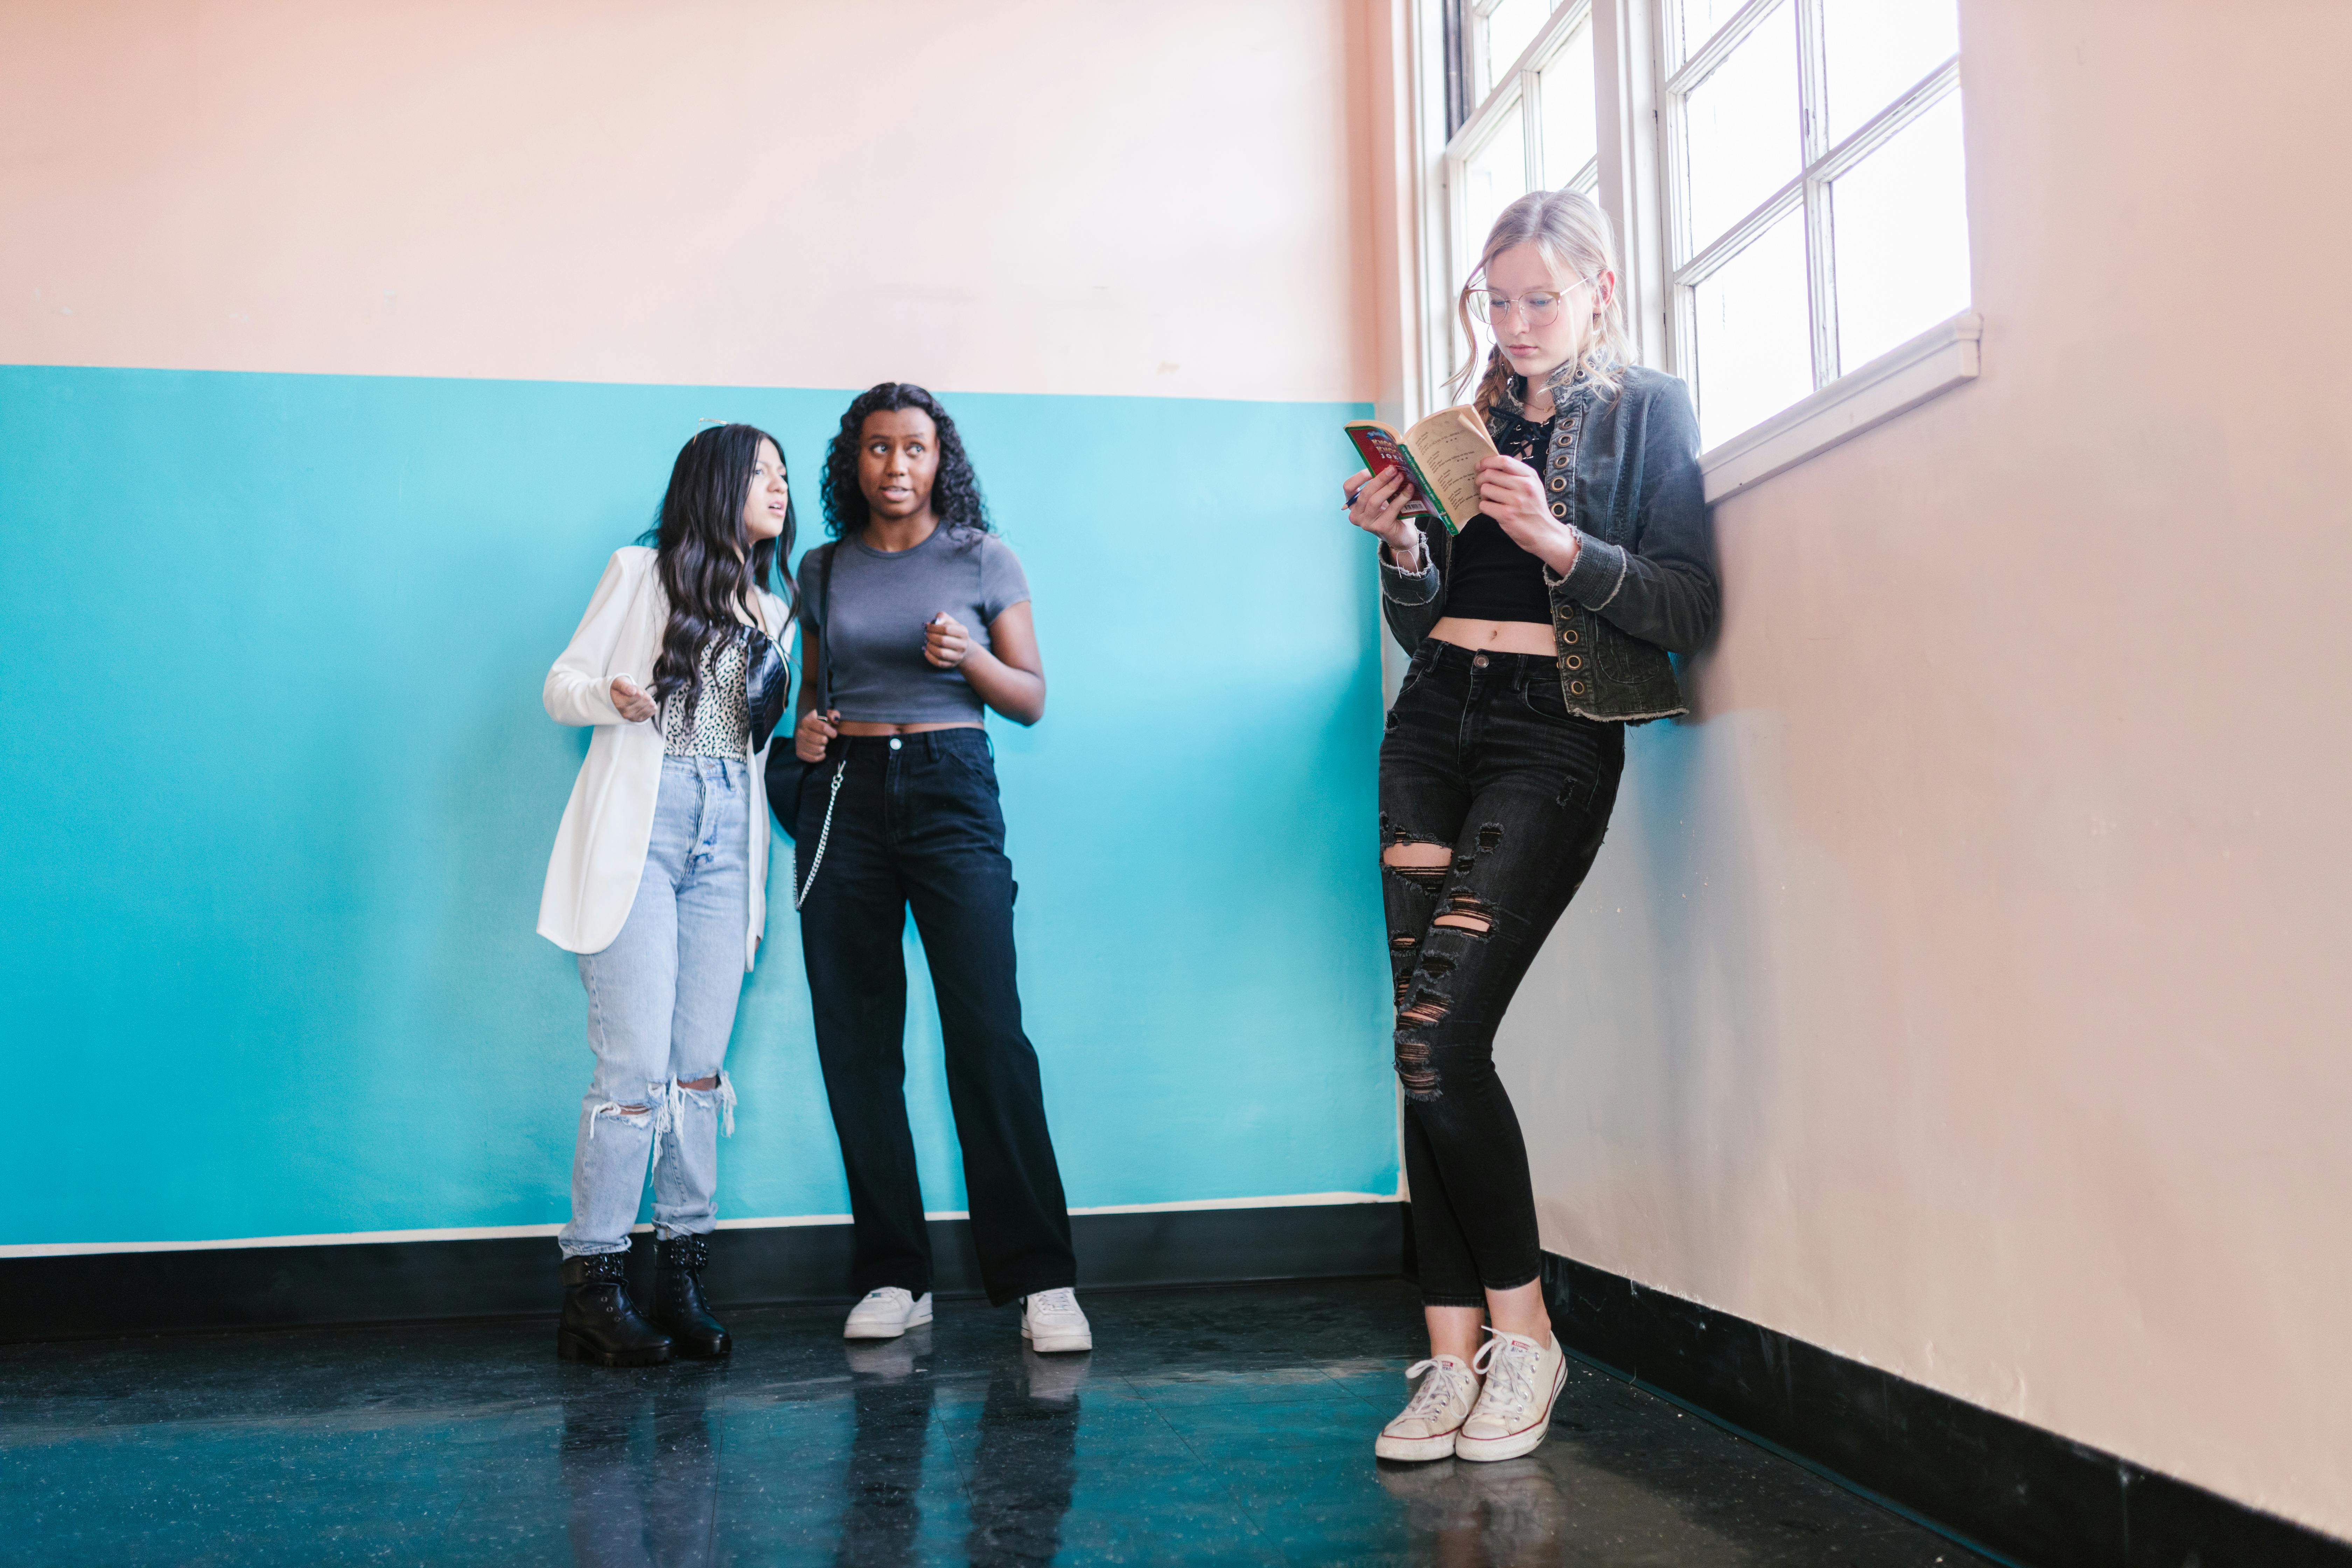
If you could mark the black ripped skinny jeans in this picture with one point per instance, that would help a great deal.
(1482, 756)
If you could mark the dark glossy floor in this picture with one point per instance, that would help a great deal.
(1212, 1426)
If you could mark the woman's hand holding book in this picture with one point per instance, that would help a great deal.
(1377, 506)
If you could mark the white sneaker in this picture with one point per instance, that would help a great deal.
(887, 1313)
(1050, 1322)
(1522, 1380)
(1425, 1428)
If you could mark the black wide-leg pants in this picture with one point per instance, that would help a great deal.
(918, 826)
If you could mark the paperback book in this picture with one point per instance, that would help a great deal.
(1440, 457)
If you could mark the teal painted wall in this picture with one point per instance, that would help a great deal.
(278, 795)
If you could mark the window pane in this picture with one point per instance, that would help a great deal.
(1493, 178)
(1700, 20)
(1878, 47)
(1755, 341)
(1741, 128)
(1510, 28)
(1900, 223)
(1569, 138)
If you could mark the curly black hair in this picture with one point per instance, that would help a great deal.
(955, 494)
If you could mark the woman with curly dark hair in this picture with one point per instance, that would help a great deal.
(921, 622)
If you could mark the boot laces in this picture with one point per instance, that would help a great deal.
(1509, 1365)
(1438, 1390)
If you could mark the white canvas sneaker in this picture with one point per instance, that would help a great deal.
(887, 1313)
(1425, 1428)
(1522, 1380)
(1051, 1322)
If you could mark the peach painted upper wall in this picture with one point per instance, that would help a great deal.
(1967, 990)
(1020, 196)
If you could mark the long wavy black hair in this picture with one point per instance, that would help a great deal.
(955, 493)
(698, 545)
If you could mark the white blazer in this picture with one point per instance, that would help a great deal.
(599, 848)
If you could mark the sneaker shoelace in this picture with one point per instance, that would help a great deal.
(1437, 1391)
(1062, 1301)
(1509, 1366)
(889, 1295)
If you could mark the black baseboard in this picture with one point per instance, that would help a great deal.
(102, 1294)
(1993, 1483)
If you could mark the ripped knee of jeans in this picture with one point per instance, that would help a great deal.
(1423, 862)
(1419, 1006)
(627, 1115)
(716, 1090)
(1415, 1070)
(1464, 910)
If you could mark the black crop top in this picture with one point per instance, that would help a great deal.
(1493, 578)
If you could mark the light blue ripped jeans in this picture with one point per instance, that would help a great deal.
(661, 1004)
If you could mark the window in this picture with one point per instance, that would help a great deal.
(1815, 205)
(1787, 180)
(1529, 126)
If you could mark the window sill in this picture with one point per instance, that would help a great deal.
(1938, 360)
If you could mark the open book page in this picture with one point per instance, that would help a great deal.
(1447, 448)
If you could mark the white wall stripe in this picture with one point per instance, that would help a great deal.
(503, 1232)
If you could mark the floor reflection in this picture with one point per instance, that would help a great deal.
(1027, 1461)
(893, 1394)
(1023, 1467)
(1224, 1425)
(641, 1475)
(1458, 1515)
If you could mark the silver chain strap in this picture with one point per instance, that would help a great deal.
(825, 833)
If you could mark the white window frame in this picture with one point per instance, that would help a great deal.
(1845, 400)
(1519, 85)
(1638, 100)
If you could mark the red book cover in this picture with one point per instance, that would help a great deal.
(1380, 452)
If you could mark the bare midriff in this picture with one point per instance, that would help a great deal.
(867, 727)
(1491, 636)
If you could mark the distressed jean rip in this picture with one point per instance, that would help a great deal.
(1427, 1007)
(719, 1094)
(627, 1114)
(1428, 879)
(1466, 910)
(1414, 1071)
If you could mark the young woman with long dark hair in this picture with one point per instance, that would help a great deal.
(921, 623)
(659, 877)
(1536, 636)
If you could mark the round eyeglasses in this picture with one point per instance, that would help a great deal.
(1539, 307)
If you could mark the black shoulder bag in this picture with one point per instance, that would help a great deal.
(787, 774)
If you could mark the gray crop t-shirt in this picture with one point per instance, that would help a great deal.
(874, 646)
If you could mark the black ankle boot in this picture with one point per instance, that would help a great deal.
(600, 1322)
(679, 1306)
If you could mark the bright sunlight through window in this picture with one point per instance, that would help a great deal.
(1816, 204)
(1533, 126)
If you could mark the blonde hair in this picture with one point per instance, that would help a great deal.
(1573, 235)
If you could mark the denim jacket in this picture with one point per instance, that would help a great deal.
(1625, 472)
